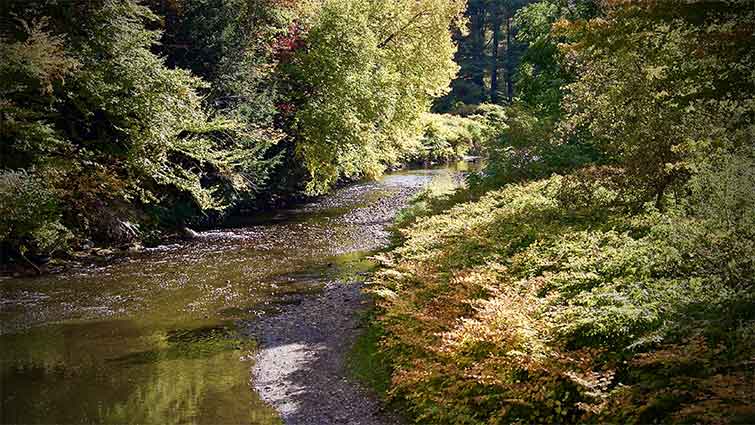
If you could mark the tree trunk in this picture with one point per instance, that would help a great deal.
(494, 61)
(509, 64)
(477, 32)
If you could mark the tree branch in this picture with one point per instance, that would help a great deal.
(402, 29)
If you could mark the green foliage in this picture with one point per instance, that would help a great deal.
(231, 45)
(105, 109)
(113, 130)
(446, 138)
(488, 52)
(31, 69)
(526, 145)
(367, 363)
(368, 71)
(29, 214)
(525, 149)
(539, 303)
(539, 75)
(654, 81)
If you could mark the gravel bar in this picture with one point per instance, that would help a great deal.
(300, 368)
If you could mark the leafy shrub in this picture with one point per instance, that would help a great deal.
(446, 138)
(29, 214)
(493, 121)
(526, 149)
(548, 302)
(114, 133)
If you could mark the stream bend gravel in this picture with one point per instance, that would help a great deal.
(300, 368)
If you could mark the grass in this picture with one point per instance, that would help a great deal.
(442, 193)
(366, 362)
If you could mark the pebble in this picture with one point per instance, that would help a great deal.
(300, 368)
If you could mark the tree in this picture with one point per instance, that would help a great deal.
(118, 138)
(469, 85)
(363, 76)
(490, 29)
(502, 12)
(656, 83)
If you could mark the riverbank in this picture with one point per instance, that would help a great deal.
(87, 254)
(549, 301)
(301, 366)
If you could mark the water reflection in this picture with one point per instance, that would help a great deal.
(118, 372)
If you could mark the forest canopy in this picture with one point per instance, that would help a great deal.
(124, 118)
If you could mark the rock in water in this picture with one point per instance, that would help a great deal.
(187, 233)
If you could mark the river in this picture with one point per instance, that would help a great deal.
(154, 337)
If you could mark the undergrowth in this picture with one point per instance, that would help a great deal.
(554, 302)
(366, 362)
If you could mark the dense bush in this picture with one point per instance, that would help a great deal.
(546, 302)
(644, 87)
(526, 148)
(119, 139)
(29, 215)
(607, 276)
(446, 137)
(232, 45)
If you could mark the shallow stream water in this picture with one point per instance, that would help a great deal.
(153, 337)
